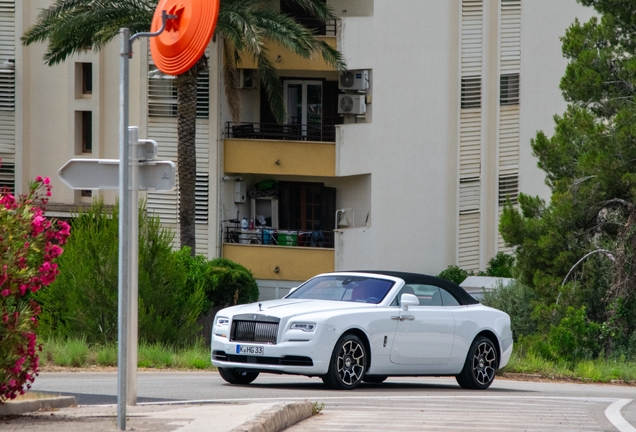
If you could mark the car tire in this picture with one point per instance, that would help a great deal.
(480, 366)
(348, 364)
(374, 379)
(237, 377)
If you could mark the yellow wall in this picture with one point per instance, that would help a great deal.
(294, 263)
(289, 60)
(306, 158)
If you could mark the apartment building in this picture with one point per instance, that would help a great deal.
(402, 163)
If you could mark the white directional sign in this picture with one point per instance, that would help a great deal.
(104, 174)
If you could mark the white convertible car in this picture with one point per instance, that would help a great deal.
(364, 326)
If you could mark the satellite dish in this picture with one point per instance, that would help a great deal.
(185, 38)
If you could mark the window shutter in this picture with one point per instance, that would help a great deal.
(509, 111)
(510, 36)
(472, 30)
(7, 94)
(468, 248)
(162, 93)
(7, 176)
(469, 241)
(509, 140)
(509, 89)
(469, 196)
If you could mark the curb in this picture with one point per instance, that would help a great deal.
(21, 407)
(278, 418)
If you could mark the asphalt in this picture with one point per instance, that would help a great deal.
(218, 417)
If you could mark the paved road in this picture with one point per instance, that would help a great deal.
(398, 404)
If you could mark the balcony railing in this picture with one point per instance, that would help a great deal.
(279, 237)
(329, 28)
(273, 131)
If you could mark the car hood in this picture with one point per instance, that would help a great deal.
(293, 307)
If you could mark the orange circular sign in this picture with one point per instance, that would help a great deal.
(185, 38)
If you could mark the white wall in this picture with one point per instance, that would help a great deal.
(542, 66)
(409, 147)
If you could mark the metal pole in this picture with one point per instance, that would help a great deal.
(124, 229)
(133, 143)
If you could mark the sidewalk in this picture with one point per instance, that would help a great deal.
(252, 417)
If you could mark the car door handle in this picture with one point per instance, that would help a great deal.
(403, 317)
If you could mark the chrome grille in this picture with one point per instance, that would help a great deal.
(254, 331)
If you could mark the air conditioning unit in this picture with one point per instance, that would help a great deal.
(351, 104)
(246, 79)
(356, 80)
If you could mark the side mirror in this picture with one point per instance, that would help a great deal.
(408, 300)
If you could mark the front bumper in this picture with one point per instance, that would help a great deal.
(301, 358)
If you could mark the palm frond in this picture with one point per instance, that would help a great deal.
(318, 9)
(71, 26)
(273, 87)
(231, 81)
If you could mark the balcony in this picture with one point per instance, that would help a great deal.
(292, 259)
(258, 148)
(286, 60)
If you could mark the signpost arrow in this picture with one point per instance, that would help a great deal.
(104, 174)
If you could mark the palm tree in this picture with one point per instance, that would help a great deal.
(69, 26)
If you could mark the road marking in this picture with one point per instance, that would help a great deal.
(613, 414)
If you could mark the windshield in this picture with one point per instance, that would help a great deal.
(344, 288)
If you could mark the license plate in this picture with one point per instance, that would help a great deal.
(249, 350)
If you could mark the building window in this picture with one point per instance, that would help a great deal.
(86, 193)
(87, 78)
(509, 89)
(7, 88)
(471, 92)
(508, 188)
(7, 177)
(84, 131)
(306, 206)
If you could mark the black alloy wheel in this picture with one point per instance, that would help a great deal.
(348, 364)
(480, 366)
(234, 376)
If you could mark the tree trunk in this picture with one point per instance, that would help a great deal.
(186, 151)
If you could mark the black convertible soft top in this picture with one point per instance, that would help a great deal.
(421, 279)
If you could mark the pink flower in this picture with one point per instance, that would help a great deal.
(55, 251)
(5, 293)
(38, 179)
(23, 289)
(38, 224)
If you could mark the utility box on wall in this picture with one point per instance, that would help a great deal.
(240, 192)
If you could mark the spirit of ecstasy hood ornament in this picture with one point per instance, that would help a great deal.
(260, 307)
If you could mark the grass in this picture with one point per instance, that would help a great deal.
(598, 371)
(78, 353)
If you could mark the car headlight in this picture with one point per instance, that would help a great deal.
(220, 327)
(306, 327)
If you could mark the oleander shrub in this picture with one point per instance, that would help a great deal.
(30, 245)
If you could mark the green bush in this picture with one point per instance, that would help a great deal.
(516, 299)
(83, 300)
(501, 265)
(575, 338)
(455, 274)
(224, 282)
